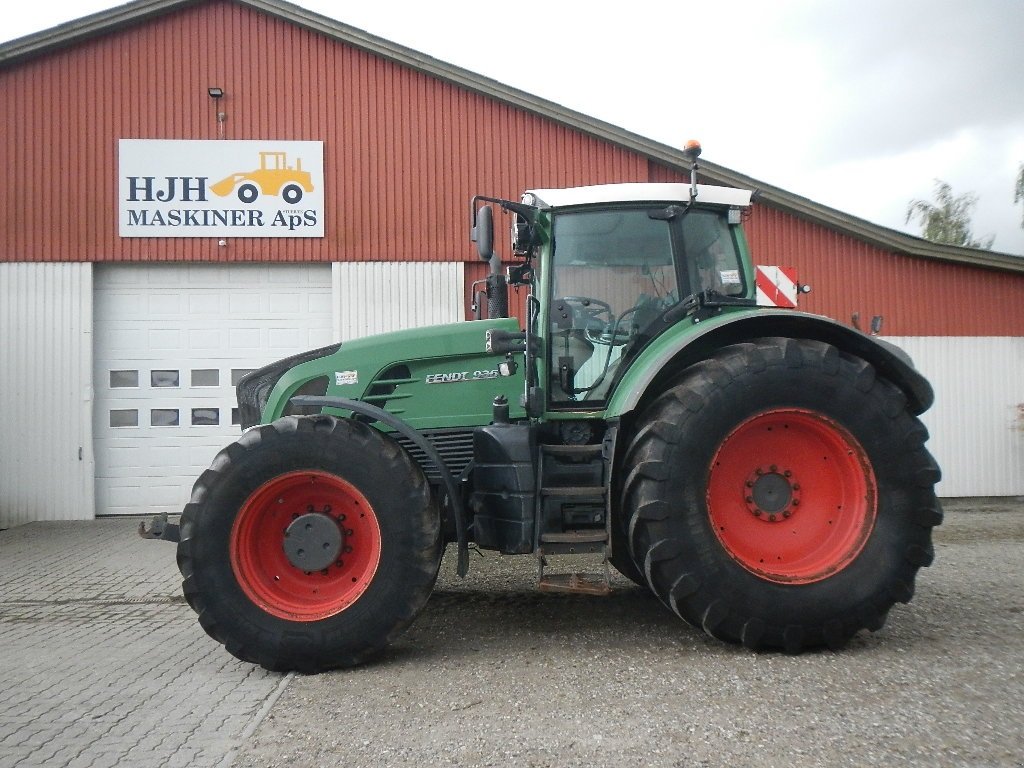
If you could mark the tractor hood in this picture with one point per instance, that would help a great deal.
(434, 377)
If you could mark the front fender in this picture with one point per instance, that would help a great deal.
(670, 353)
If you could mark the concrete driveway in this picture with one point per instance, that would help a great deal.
(101, 661)
(103, 664)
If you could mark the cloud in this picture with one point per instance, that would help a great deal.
(910, 74)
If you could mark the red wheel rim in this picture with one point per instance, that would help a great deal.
(262, 566)
(792, 496)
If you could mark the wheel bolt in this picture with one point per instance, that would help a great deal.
(750, 483)
(786, 513)
(771, 518)
(757, 513)
(773, 468)
(750, 499)
(787, 473)
(796, 502)
(796, 486)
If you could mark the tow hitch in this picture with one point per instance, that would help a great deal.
(159, 528)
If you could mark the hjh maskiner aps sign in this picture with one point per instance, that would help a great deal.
(220, 188)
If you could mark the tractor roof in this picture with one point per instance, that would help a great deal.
(637, 193)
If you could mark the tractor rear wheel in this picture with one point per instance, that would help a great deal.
(780, 496)
(309, 544)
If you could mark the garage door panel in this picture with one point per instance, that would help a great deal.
(282, 339)
(209, 339)
(165, 340)
(286, 304)
(170, 304)
(245, 305)
(177, 342)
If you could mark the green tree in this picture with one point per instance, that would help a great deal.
(1018, 193)
(948, 219)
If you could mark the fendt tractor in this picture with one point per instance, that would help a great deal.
(760, 470)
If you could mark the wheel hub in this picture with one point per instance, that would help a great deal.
(771, 494)
(313, 541)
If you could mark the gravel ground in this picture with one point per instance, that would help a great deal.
(494, 673)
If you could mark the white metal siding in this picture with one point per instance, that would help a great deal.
(376, 297)
(46, 459)
(977, 422)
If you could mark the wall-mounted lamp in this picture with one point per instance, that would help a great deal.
(215, 93)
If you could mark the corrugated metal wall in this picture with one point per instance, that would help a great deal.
(376, 297)
(914, 297)
(46, 455)
(404, 152)
(977, 423)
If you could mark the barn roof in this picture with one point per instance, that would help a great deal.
(140, 11)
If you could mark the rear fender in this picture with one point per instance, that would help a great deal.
(663, 360)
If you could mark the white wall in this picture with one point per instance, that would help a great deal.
(46, 455)
(977, 422)
(376, 297)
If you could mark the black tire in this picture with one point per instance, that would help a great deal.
(248, 193)
(292, 193)
(333, 472)
(691, 530)
(622, 558)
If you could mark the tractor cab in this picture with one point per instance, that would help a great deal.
(618, 263)
(612, 267)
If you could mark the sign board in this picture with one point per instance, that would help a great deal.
(220, 188)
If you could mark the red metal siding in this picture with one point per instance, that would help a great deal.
(404, 152)
(915, 297)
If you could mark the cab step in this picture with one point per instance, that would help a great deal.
(575, 583)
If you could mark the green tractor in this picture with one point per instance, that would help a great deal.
(760, 470)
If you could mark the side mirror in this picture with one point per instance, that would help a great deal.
(483, 232)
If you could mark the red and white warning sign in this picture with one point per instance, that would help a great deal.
(777, 287)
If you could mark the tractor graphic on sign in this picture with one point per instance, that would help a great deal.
(273, 177)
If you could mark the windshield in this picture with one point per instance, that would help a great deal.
(615, 274)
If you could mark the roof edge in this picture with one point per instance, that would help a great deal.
(93, 25)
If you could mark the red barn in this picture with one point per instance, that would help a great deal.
(124, 327)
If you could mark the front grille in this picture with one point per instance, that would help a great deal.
(454, 445)
(384, 388)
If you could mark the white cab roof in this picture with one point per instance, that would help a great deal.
(636, 193)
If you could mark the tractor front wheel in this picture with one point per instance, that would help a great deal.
(309, 544)
(780, 496)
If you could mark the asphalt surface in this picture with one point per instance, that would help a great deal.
(101, 663)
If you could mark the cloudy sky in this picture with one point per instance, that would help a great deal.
(857, 105)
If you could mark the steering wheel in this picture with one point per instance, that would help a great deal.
(592, 316)
(567, 310)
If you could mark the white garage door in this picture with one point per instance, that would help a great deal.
(171, 343)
